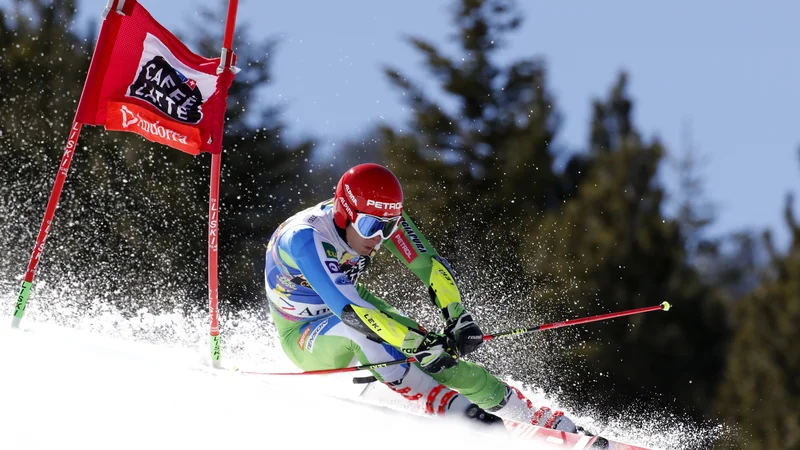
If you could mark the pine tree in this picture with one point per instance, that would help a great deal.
(761, 389)
(612, 249)
(475, 170)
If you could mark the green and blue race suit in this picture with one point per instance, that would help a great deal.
(326, 319)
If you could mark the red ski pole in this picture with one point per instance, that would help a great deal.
(663, 306)
(342, 370)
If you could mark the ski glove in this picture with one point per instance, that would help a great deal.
(434, 352)
(460, 327)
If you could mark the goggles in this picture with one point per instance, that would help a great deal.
(370, 226)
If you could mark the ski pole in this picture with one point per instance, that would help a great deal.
(549, 326)
(345, 369)
(665, 306)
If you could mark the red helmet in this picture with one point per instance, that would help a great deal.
(369, 189)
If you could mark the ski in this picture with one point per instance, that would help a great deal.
(555, 439)
(542, 438)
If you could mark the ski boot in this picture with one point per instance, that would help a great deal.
(474, 412)
(517, 408)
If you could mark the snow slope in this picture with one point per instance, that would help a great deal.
(68, 389)
(99, 379)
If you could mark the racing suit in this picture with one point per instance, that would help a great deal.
(326, 319)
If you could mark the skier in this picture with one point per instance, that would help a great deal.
(326, 319)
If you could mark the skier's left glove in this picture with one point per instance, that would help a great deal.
(460, 327)
(434, 352)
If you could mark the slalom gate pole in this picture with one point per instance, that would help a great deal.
(665, 306)
(44, 230)
(215, 341)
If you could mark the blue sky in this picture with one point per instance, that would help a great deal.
(729, 68)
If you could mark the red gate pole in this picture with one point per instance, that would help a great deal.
(44, 230)
(215, 340)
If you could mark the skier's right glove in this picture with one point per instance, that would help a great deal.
(434, 352)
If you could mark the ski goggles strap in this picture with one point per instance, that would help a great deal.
(370, 226)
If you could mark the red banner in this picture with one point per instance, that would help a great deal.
(142, 79)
